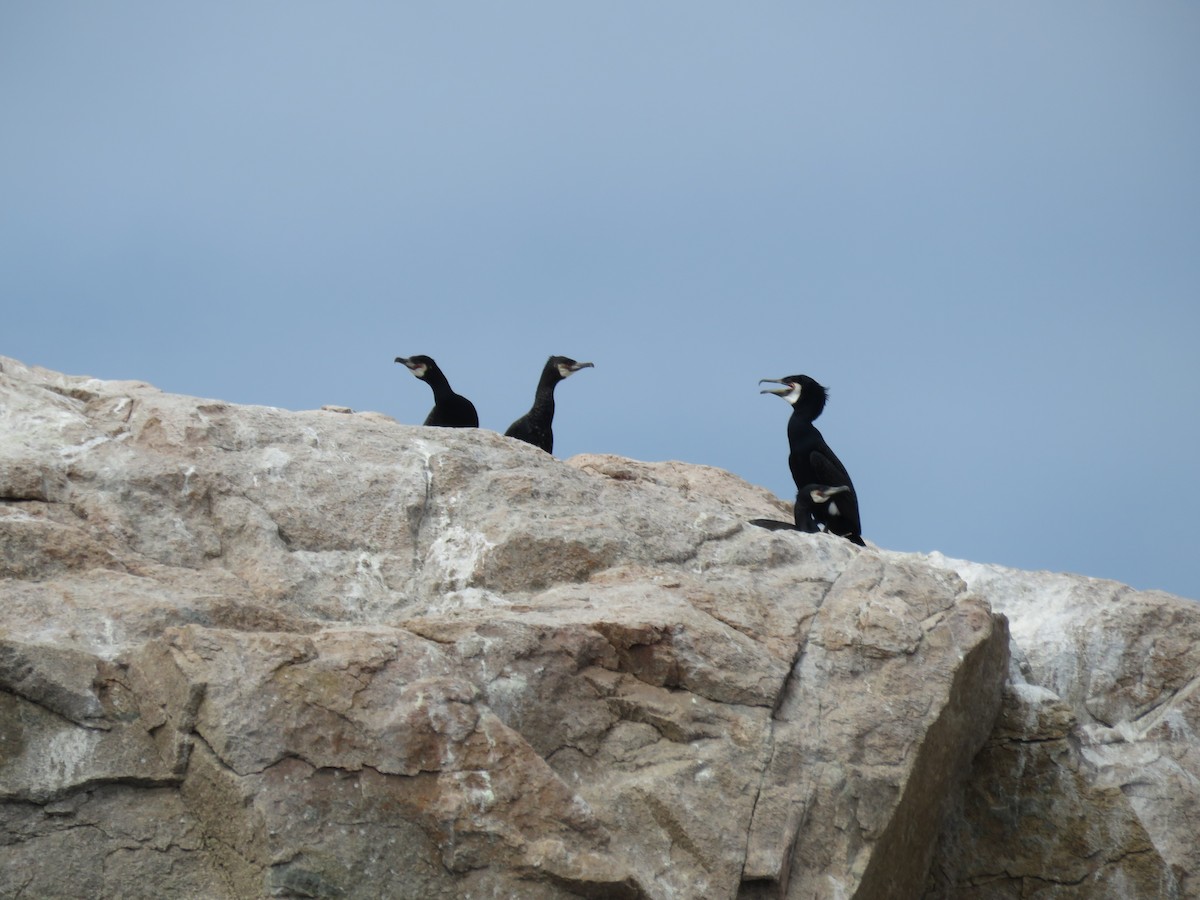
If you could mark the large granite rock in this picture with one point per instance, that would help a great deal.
(250, 652)
(1090, 786)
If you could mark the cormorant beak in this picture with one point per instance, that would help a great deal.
(778, 392)
(415, 367)
(565, 370)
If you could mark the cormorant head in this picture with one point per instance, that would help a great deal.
(801, 391)
(565, 366)
(418, 365)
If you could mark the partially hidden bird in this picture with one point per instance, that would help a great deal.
(535, 427)
(450, 410)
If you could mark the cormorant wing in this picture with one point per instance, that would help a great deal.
(829, 469)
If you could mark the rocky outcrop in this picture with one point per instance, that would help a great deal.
(1031, 823)
(1090, 786)
(251, 652)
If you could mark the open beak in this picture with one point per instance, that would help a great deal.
(779, 392)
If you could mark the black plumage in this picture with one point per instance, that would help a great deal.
(450, 410)
(535, 426)
(828, 508)
(813, 463)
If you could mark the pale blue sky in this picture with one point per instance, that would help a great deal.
(978, 224)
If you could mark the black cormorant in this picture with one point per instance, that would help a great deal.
(811, 460)
(450, 410)
(534, 427)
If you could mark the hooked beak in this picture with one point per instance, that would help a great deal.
(779, 392)
(565, 370)
(417, 368)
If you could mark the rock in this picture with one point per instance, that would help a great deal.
(1096, 759)
(873, 755)
(254, 652)
(1031, 823)
(109, 840)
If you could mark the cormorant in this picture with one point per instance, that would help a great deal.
(826, 512)
(534, 427)
(811, 460)
(450, 410)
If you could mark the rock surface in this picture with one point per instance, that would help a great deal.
(250, 652)
(1095, 766)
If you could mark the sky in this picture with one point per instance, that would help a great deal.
(977, 223)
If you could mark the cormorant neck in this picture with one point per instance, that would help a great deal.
(807, 411)
(549, 379)
(440, 384)
(543, 400)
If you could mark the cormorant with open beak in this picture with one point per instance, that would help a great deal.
(814, 464)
